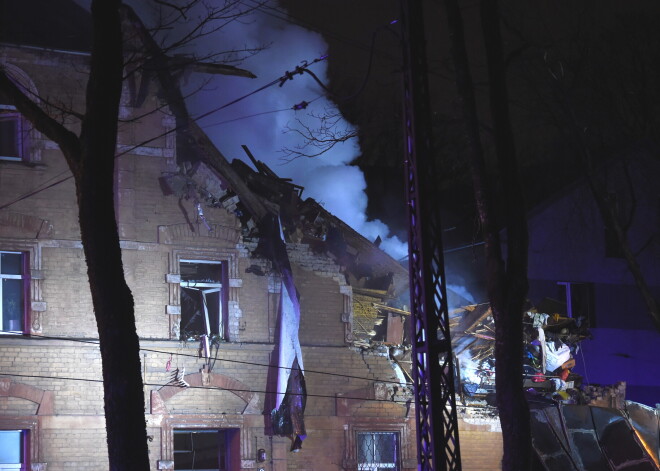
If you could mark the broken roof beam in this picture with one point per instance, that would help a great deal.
(390, 309)
(190, 137)
(265, 171)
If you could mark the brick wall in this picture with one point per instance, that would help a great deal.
(62, 376)
(481, 444)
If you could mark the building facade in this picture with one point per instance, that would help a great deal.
(207, 306)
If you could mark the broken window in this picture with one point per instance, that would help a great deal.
(378, 451)
(12, 291)
(203, 298)
(13, 449)
(11, 133)
(205, 449)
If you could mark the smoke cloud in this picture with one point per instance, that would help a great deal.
(261, 120)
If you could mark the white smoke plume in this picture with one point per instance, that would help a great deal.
(328, 178)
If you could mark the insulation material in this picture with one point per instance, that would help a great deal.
(555, 357)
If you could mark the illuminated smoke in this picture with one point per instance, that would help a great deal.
(329, 178)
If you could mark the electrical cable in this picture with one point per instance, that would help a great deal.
(150, 350)
(299, 70)
(296, 107)
(38, 189)
(584, 364)
(327, 396)
(90, 380)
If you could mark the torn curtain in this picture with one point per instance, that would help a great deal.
(288, 415)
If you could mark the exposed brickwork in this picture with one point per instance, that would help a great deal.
(77, 448)
(156, 232)
(481, 445)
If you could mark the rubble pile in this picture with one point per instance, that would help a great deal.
(551, 343)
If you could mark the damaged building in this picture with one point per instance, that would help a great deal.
(243, 295)
(273, 336)
(575, 425)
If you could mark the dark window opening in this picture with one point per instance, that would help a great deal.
(205, 449)
(203, 299)
(11, 134)
(12, 291)
(580, 301)
(378, 451)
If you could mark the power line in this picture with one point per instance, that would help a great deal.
(299, 70)
(38, 189)
(150, 350)
(297, 107)
(218, 388)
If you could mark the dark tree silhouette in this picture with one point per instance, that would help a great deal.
(506, 279)
(588, 81)
(91, 156)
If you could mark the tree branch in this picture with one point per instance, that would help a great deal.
(54, 130)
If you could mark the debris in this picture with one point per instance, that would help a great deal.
(177, 378)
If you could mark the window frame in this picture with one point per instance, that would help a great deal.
(401, 426)
(192, 432)
(222, 287)
(29, 425)
(25, 292)
(237, 441)
(375, 466)
(580, 291)
(24, 444)
(10, 113)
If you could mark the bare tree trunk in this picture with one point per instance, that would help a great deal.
(511, 402)
(91, 160)
(113, 302)
(507, 283)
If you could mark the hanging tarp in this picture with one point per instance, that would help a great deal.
(288, 414)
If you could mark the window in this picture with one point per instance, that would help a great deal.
(13, 446)
(378, 451)
(580, 301)
(11, 133)
(203, 298)
(12, 291)
(205, 449)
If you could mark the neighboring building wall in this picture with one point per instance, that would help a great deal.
(568, 244)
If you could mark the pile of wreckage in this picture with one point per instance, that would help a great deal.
(551, 344)
(568, 431)
(575, 427)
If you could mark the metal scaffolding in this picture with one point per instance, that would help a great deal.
(433, 370)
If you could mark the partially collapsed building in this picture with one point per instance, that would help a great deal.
(273, 335)
(243, 292)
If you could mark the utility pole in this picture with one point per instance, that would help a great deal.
(433, 366)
